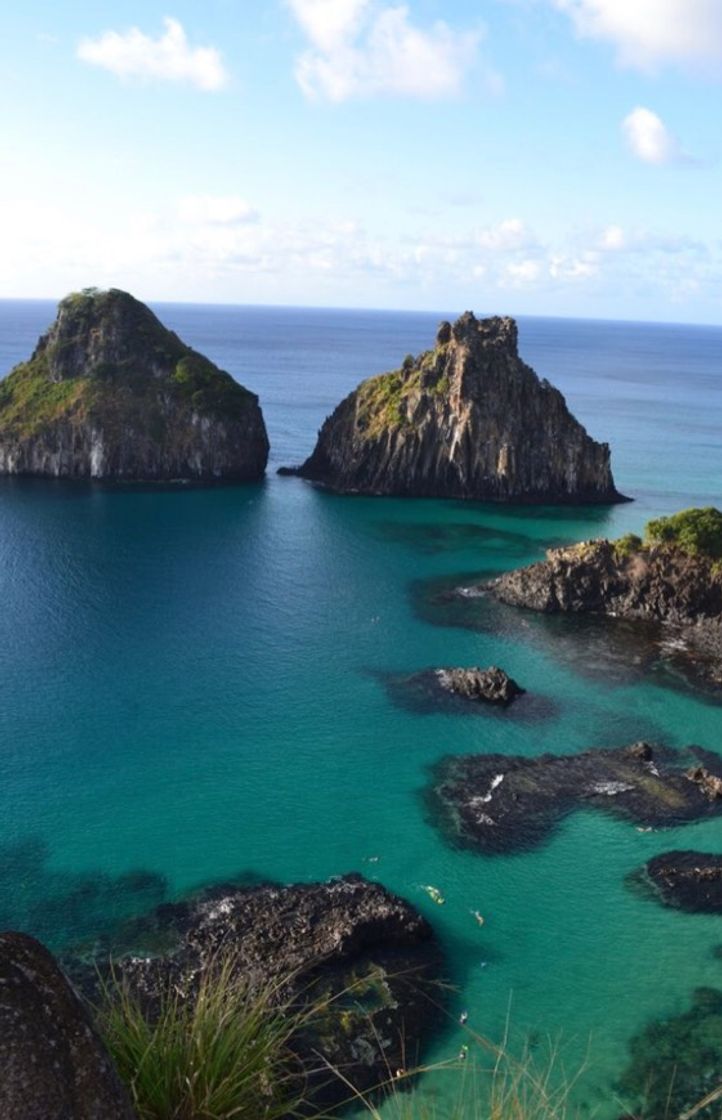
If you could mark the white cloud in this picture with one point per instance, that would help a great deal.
(518, 273)
(648, 138)
(508, 234)
(170, 57)
(563, 267)
(612, 239)
(647, 33)
(361, 49)
(222, 210)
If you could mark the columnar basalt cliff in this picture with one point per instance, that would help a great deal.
(110, 393)
(468, 419)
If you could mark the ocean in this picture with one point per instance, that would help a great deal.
(202, 683)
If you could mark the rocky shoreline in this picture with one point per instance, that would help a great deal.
(659, 583)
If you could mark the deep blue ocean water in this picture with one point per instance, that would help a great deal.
(195, 683)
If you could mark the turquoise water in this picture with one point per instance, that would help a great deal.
(196, 683)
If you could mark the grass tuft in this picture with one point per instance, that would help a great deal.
(223, 1053)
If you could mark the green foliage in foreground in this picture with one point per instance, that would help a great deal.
(221, 1055)
(696, 531)
(227, 1054)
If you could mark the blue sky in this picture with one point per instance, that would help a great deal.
(557, 157)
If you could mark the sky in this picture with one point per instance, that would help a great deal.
(550, 157)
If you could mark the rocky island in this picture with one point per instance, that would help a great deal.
(467, 419)
(671, 578)
(110, 393)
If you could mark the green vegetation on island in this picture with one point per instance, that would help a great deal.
(109, 392)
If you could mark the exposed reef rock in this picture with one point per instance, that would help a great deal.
(491, 685)
(52, 1064)
(688, 880)
(496, 803)
(349, 940)
(468, 419)
(658, 581)
(109, 393)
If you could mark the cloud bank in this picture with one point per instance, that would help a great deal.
(169, 58)
(649, 33)
(360, 49)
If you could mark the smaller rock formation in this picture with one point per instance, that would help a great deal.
(688, 880)
(53, 1066)
(491, 685)
(468, 419)
(348, 941)
(663, 581)
(497, 803)
(109, 393)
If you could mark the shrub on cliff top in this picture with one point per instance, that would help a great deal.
(696, 531)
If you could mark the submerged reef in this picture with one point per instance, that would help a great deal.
(675, 1062)
(467, 419)
(496, 803)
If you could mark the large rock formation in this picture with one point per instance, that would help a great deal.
(499, 803)
(366, 954)
(467, 419)
(53, 1066)
(110, 393)
(663, 580)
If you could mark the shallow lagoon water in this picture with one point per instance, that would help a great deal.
(195, 682)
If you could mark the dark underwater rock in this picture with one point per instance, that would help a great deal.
(492, 685)
(658, 584)
(497, 803)
(468, 419)
(676, 1062)
(53, 1066)
(109, 393)
(348, 940)
(688, 880)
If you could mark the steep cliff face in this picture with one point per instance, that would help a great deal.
(467, 419)
(110, 393)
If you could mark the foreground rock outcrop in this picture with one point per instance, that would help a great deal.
(348, 941)
(109, 393)
(53, 1066)
(468, 419)
(658, 581)
(491, 685)
(497, 803)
